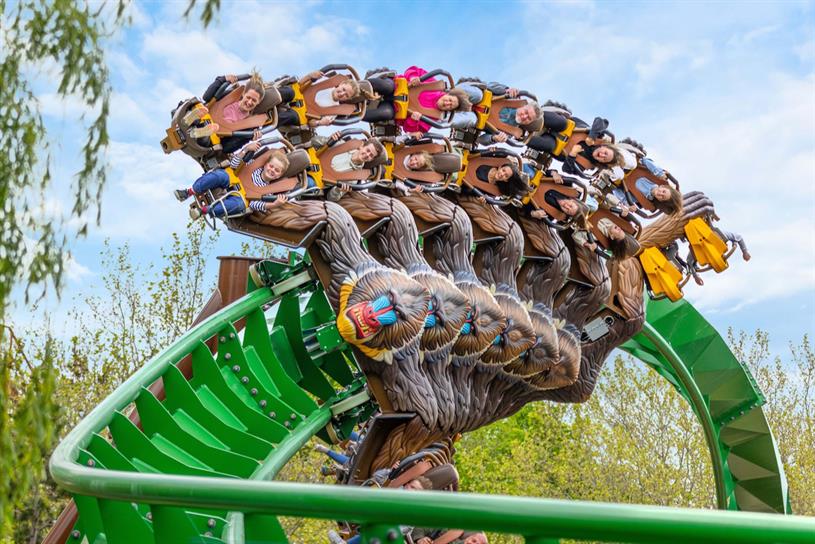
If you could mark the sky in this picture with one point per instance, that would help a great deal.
(721, 93)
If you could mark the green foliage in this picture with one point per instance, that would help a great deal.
(28, 427)
(140, 311)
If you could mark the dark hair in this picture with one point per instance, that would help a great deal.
(515, 186)
(380, 151)
(621, 249)
(634, 143)
(672, 205)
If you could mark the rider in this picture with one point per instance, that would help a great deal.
(451, 100)
(253, 93)
(233, 203)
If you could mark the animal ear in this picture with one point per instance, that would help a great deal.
(387, 357)
(493, 288)
(450, 277)
(529, 305)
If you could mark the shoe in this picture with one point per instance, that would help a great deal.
(195, 213)
(334, 538)
(181, 194)
(205, 131)
(195, 114)
(745, 255)
(321, 448)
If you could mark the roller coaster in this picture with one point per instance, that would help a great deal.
(438, 282)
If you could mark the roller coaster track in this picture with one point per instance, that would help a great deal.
(185, 449)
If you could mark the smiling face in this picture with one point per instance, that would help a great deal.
(569, 206)
(603, 154)
(501, 173)
(416, 161)
(365, 153)
(447, 102)
(343, 91)
(525, 114)
(273, 170)
(661, 193)
(249, 100)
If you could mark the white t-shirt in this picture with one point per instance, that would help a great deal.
(324, 98)
(343, 163)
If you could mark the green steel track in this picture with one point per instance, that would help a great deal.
(197, 466)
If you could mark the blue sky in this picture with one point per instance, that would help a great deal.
(722, 94)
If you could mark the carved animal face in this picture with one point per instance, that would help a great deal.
(447, 311)
(516, 337)
(485, 322)
(564, 371)
(543, 355)
(381, 311)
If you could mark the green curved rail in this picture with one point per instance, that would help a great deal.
(198, 465)
(687, 351)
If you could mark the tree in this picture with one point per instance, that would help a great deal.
(139, 312)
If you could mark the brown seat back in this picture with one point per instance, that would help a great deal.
(310, 96)
(253, 192)
(443, 477)
(539, 198)
(602, 239)
(413, 98)
(263, 114)
(578, 136)
(474, 163)
(630, 184)
(298, 162)
(329, 174)
(494, 119)
(400, 171)
(419, 469)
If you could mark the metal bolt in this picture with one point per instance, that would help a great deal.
(245, 380)
(263, 404)
(231, 335)
(149, 516)
(287, 424)
(392, 535)
(253, 391)
(228, 356)
(293, 415)
(375, 541)
(222, 339)
(210, 522)
(91, 463)
(75, 534)
(272, 415)
(236, 368)
(208, 533)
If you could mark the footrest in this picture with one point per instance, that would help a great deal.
(708, 248)
(663, 277)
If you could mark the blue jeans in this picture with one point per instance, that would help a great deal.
(219, 179)
(337, 456)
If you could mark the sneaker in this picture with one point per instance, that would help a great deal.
(205, 131)
(195, 114)
(335, 538)
(181, 194)
(745, 255)
(195, 213)
(321, 448)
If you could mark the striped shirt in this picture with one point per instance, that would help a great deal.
(234, 162)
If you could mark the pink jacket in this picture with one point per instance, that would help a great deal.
(427, 99)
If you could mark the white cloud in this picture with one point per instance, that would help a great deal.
(138, 202)
(75, 271)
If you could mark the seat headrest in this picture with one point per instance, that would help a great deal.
(446, 163)
(298, 161)
(442, 476)
(271, 98)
